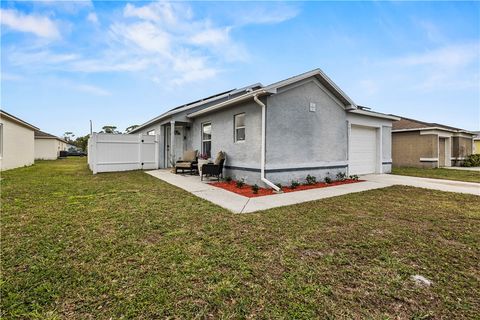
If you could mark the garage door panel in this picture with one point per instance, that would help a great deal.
(363, 150)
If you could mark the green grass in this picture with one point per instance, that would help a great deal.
(439, 173)
(126, 245)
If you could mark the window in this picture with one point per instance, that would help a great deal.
(151, 132)
(207, 139)
(239, 120)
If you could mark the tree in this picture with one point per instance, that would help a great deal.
(82, 142)
(131, 128)
(68, 136)
(110, 129)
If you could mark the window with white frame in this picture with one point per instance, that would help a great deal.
(239, 121)
(207, 138)
(151, 132)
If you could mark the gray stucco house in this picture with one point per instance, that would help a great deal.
(276, 133)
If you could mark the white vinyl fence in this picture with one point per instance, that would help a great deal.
(122, 152)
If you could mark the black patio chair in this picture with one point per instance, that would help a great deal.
(212, 169)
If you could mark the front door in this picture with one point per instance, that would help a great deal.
(178, 148)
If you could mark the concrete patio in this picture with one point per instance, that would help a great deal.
(240, 204)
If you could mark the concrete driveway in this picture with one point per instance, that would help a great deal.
(240, 204)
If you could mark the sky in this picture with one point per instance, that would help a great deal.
(64, 63)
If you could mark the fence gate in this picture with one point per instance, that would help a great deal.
(122, 152)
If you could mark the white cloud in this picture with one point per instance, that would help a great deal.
(453, 56)
(261, 14)
(92, 17)
(144, 35)
(211, 36)
(165, 40)
(5, 76)
(38, 25)
(91, 89)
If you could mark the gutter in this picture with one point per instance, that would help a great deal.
(262, 161)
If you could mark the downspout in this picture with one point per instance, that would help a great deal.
(262, 161)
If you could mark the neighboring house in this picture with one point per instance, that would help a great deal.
(476, 142)
(47, 146)
(281, 132)
(16, 142)
(429, 145)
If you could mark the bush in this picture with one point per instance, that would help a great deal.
(341, 176)
(472, 160)
(228, 179)
(240, 183)
(311, 179)
(255, 189)
(279, 185)
(294, 184)
(328, 180)
(354, 177)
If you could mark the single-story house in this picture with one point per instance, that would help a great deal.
(47, 146)
(429, 145)
(280, 132)
(16, 142)
(476, 142)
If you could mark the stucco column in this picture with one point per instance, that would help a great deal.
(172, 142)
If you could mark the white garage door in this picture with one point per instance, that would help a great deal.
(363, 150)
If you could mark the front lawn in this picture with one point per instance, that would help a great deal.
(127, 245)
(439, 173)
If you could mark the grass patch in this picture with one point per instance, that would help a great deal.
(127, 245)
(439, 173)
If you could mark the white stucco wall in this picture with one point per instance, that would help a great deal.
(17, 145)
(48, 149)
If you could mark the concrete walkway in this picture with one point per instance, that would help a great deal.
(240, 204)
(463, 168)
(436, 184)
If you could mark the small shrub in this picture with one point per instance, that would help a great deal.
(279, 185)
(240, 183)
(472, 160)
(354, 177)
(311, 179)
(228, 179)
(255, 189)
(294, 184)
(328, 180)
(341, 176)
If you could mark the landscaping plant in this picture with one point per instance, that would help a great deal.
(255, 188)
(472, 160)
(311, 179)
(294, 184)
(228, 179)
(328, 180)
(240, 183)
(354, 177)
(341, 176)
(279, 185)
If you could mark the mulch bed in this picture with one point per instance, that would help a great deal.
(246, 190)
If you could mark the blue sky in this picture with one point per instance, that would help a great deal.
(64, 63)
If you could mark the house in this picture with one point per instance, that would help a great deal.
(16, 142)
(429, 145)
(476, 142)
(47, 146)
(280, 132)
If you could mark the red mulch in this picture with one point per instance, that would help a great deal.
(246, 190)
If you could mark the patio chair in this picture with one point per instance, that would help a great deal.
(188, 162)
(216, 168)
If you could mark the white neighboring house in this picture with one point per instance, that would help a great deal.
(16, 142)
(48, 146)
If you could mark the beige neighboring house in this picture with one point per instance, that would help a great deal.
(16, 142)
(429, 145)
(47, 146)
